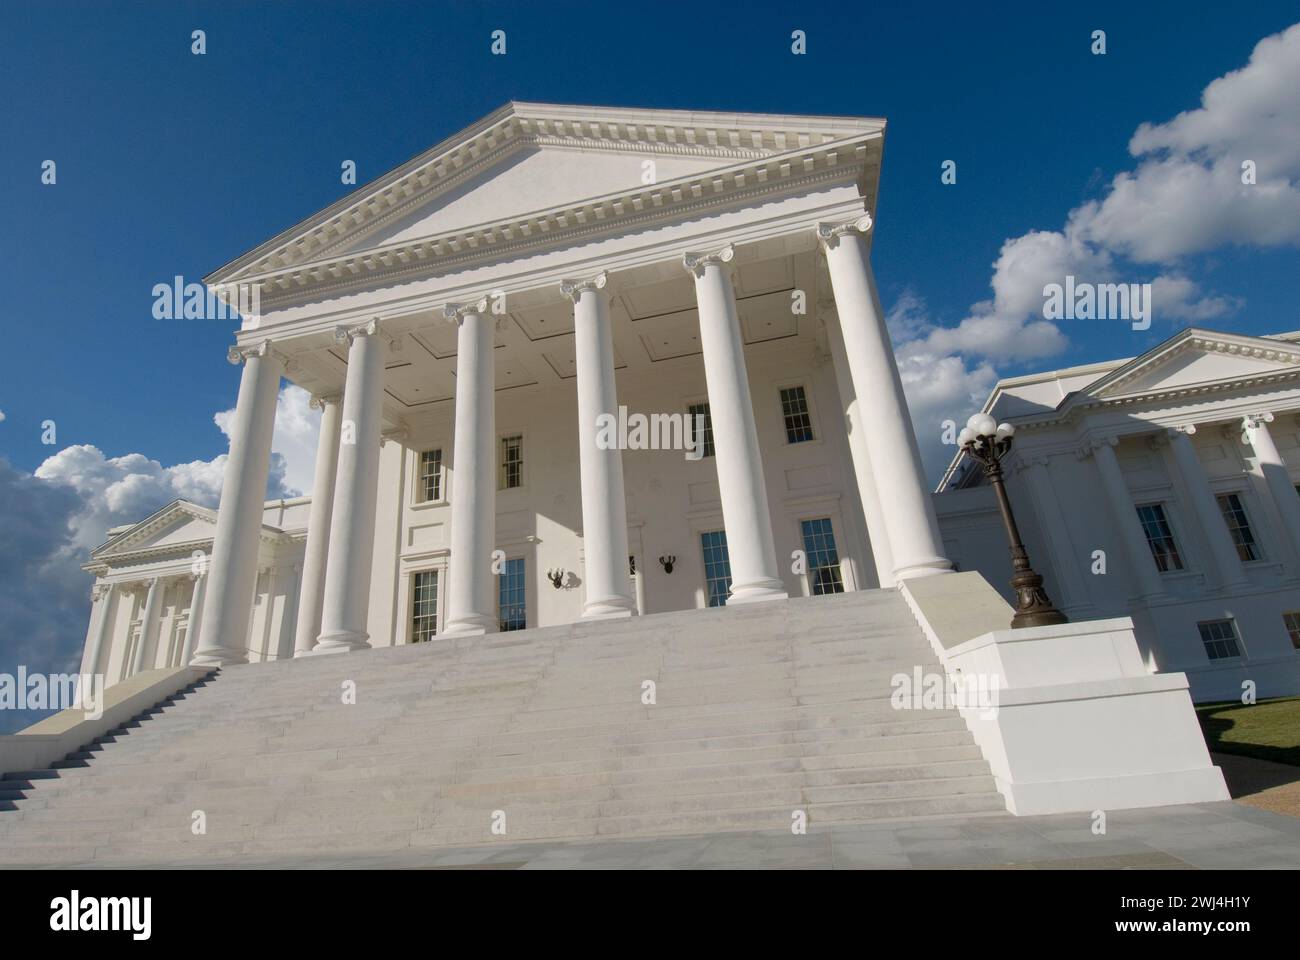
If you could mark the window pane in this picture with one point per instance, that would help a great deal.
(430, 479)
(1160, 538)
(512, 462)
(1292, 622)
(823, 558)
(700, 410)
(424, 606)
(512, 606)
(1234, 515)
(1219, 638)
(717, 567)
(794, 406)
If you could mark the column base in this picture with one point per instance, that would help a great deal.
(609, 608)
(930, 567)
(343, 642)
(757, 592)
(218, 657)
(470, 625)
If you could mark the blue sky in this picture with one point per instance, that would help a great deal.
(170, 163)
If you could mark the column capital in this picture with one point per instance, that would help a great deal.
(695, 263)
(320, 401)
(830, 233)
(239, 353)
(348, 333)
(1092, 444)
(399, 434)
(1253, 421)
(457, 311)
(575, 288)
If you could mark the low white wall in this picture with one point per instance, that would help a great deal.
(53, 738)
(1077, 722)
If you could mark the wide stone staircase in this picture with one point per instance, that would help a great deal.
(759, 711)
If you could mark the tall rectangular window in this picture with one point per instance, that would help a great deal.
(1219, 638)
(424, 606)
(794, 407)
(704, 442)
(1160, 537)
(512, 462)
(512, 603)
(1234, 515)
(717, 567)
(1292, 622)
(429, 482)
(823, 558)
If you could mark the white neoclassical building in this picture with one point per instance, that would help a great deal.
(465, 321)
(1162, 488)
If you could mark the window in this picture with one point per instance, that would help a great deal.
(1292, 622)
(1160, 538)
(1234, 515)
(424, 606)
(706, 435)
(512, 462)
(717, 567)
(823, 558)
(429, 483)
(1220, 638)
(512, 612)
(794, 406)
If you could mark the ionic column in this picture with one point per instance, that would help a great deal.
(471, 608)
(914, 541)
(233, 569)
(148, 622)
(604, 504)
(105, 594)
(872, 510)
(1208, 513)
(311, 593)
(745, 515)
(1276, 475)
(351, 547)
(196, 612)
(1066, 560)
(1126, 518)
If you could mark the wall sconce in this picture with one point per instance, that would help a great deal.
(667, 563)
(556, 577)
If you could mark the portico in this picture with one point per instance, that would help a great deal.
(428, 293)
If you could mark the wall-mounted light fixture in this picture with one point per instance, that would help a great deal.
(667, 563)
(556, 577)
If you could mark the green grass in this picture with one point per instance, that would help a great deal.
(1269, 730)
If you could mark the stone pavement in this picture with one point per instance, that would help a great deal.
(1194, 836)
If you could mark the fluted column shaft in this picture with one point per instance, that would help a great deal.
(1126, 519)
(311, 593)
(351, 548)
(755, 575)
(471, 607)
(608, 591)
(148, 623)
(1280, 486)
(195, 622)
(103, 624)
(914, 541)
(233, 569)
(1210, 518)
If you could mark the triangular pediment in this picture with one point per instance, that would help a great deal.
(538, 169)
(178, 524)
(1196, 360)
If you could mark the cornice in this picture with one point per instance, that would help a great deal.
(561, 226)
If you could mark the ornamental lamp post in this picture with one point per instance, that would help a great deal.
(987, 441)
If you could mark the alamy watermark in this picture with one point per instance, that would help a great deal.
(656, 431)
(1098, 301)
(53, 691)
(920, 690)
(179, 300)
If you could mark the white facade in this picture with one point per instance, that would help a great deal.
(488, 301)
(1203, 428)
